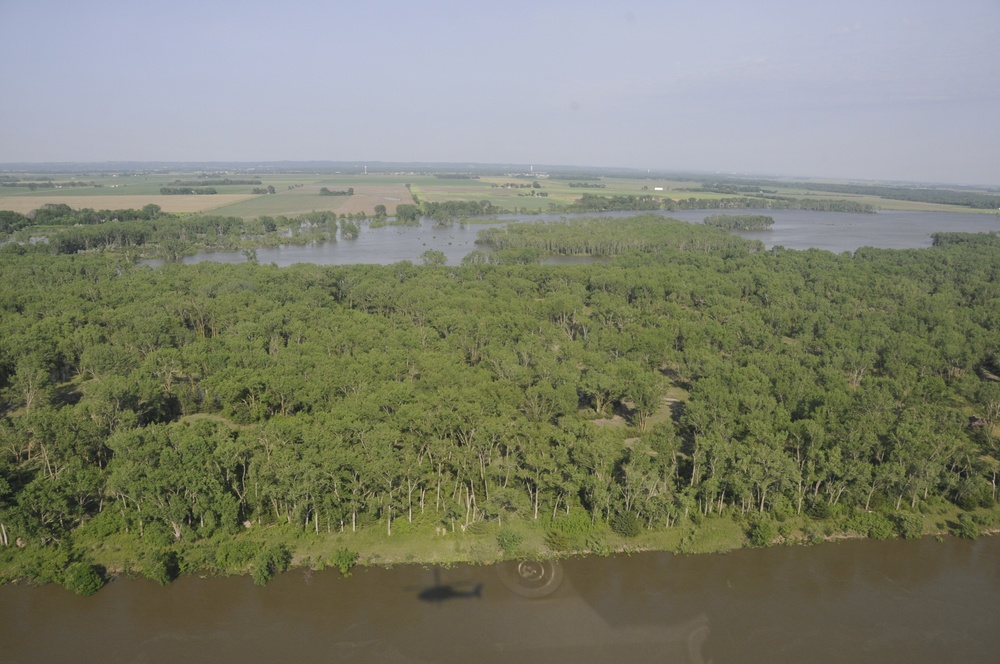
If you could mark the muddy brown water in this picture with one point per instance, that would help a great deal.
(854, 601)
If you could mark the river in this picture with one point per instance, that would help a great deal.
(855, 601)
(793, 229)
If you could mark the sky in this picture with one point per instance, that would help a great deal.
(900, 90)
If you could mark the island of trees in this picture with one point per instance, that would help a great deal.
(693, 392)
(741, 222)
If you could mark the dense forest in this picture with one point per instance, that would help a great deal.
(171, 416)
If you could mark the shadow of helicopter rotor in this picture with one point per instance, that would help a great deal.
(442, 592)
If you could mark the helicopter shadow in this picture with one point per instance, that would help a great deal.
(442, 592)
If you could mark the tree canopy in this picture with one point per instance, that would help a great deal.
(691, 375)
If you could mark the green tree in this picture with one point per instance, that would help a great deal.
(433, 257)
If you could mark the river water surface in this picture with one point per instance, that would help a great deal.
(855, 601)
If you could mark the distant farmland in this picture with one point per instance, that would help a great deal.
(25, 204)
(307, 198)
(295, 194)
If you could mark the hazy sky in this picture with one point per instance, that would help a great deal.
(878, 89)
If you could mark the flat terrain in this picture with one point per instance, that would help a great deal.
(195, 203)
(307, 198)
(297, 193)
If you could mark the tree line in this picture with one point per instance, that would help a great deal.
(740, 222)
(599, 203)
(942, 195)
(187, 191)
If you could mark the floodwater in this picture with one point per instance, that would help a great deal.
(793, 229)
(848, 231)
(856, 601)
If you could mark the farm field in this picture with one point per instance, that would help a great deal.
(178, 204)
(298, 192)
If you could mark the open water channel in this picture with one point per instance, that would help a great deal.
(856, 601)
(793, 229)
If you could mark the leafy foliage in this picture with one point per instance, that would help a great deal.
(509, 540)
(269, 562)
(872, 524)
(82, 579)
(189, 408)
(344, 560)
(762, 531)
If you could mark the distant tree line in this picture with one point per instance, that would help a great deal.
(611, 237)
(212, 182)
(47, 184)
(186, 191)
(730, 188)
(740, 222)
(944, 239)
(150, 231)
(451, 210)
(407, 213)
(599, 203)
(325, 191)
(586, 185)
(924, 194)
(596, 203)
(263, 190)
(517, 185)
(60, 214)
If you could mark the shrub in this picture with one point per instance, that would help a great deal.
(626, 524)
(597, 545)
(82, 579)
(575, 525)
(819, 509)
(762, 532)
(909, 525)
(974, 492)
(557, 541)
(480, 528)
(509, 541)
(344, 560)
(871, 524)
(235, 555)
(781, 508)
(966, 528)
(270, 562)
(785, 530)
(161, 567)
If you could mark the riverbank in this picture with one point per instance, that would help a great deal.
(481, 543)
